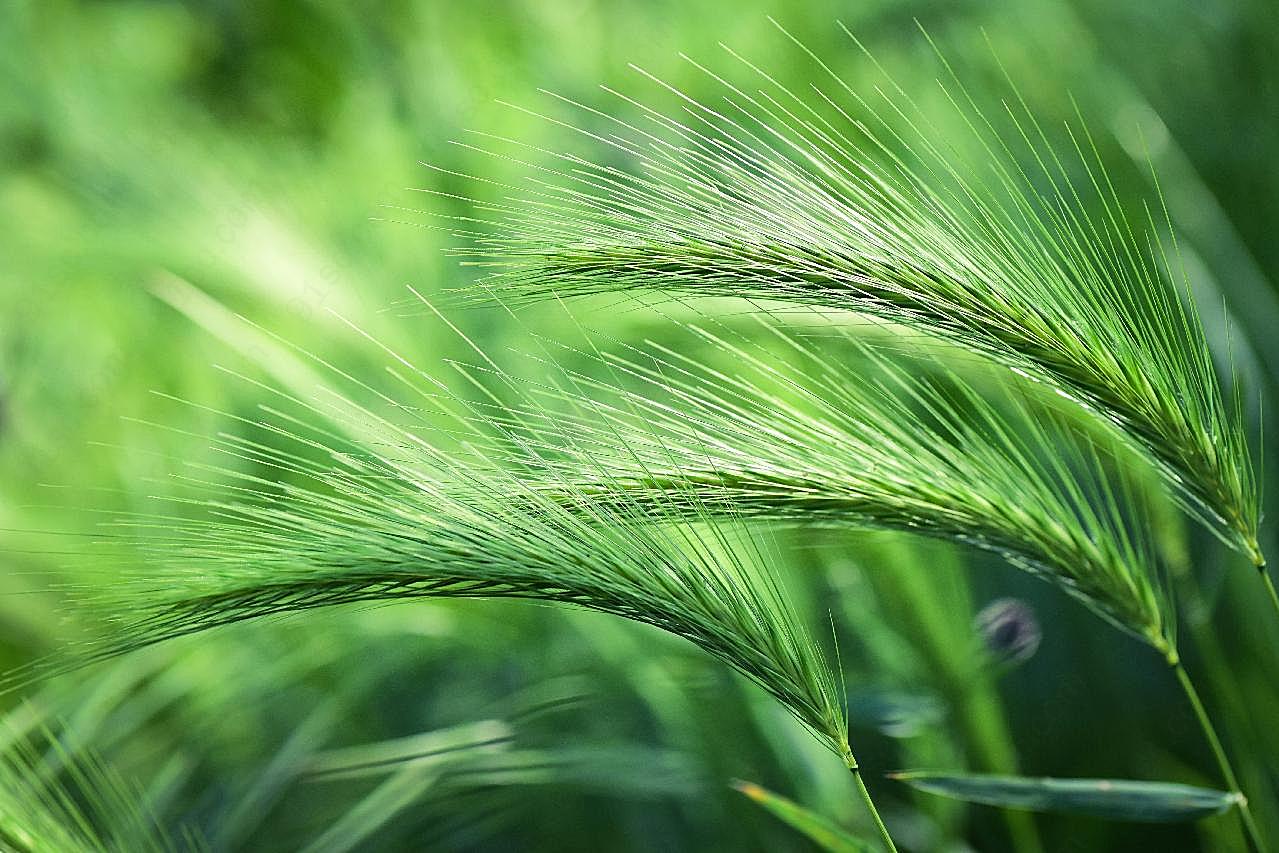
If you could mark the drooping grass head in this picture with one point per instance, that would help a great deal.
(1020, 251)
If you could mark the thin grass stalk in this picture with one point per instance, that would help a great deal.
(1270, 587)
(1219, 753)
(870, 803)
(1254, 770)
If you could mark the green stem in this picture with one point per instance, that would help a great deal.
(1219, 752)
(870, 804)
(1254, 773)
(1270, 586)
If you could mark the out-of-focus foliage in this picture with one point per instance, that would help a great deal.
(164, 166)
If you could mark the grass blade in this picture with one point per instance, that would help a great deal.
(823, 832)
(1112, 799)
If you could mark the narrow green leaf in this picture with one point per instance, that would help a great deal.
(822, 831)
(1113, 799)
(377, 809)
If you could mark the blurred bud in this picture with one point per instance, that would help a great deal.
(1009, 630)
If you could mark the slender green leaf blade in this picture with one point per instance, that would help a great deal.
(822, 831)
(1113, 799)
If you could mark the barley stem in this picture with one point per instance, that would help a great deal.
(1219, 752)
(1270, 586)
(870, 804)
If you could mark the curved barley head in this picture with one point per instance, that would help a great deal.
(848, 203)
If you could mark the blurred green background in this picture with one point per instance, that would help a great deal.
(164, 166)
